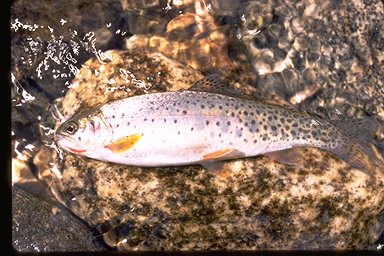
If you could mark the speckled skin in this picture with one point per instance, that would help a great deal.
(180, 128)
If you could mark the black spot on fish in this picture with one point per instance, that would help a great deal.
(113, 116)
(314, 133)
(258, 112)
(117, 125)
(245, 140)
(177, 110)
(178, 132)
(207, 122)
(293, 133)
(275, 117)
(175, 121)
(246, 124)
(270, 118)
(232, 114)
(265, 127)
(240, 120)
(191, 128)
(165, 120)
(289, 120)
(237, 107)
(219, 135)
(228, 123)
(255, 141)
(295, 125)
(202, 106)
(273, 128)
(187, 101)
(152, 120)
(166, 108)
(128, 123)
(282, 120)
(123, 115)
(184, 112)
(174, 103)
(257, 130)
(217, 123)
(253, 122)
(220, 107)
(245, 113)
(145, 119)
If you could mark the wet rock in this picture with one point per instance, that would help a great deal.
(193, 39)
(257, 204)
(38, 226)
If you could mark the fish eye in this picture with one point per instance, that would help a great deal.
(71, 127)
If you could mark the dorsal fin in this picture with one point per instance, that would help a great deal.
(215, 84)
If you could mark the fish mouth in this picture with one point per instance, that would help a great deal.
(60, 140)
(76, 151)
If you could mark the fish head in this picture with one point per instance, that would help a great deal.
(83, 133)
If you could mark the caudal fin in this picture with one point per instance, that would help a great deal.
(359, 148)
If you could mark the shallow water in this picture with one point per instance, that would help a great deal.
(325, 58)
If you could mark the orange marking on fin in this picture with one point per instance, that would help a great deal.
(123, 144)
(217, 154)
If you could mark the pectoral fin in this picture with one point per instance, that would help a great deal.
(123, 144)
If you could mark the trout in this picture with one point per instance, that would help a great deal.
(198, 127)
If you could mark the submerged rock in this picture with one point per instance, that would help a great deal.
(38, 226)
(256, 204)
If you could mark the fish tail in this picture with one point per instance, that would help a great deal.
(357, 146)
(359, 156)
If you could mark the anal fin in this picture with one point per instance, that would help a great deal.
(214, 161)
(290, 156)
(217, 168)
(225, 153)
